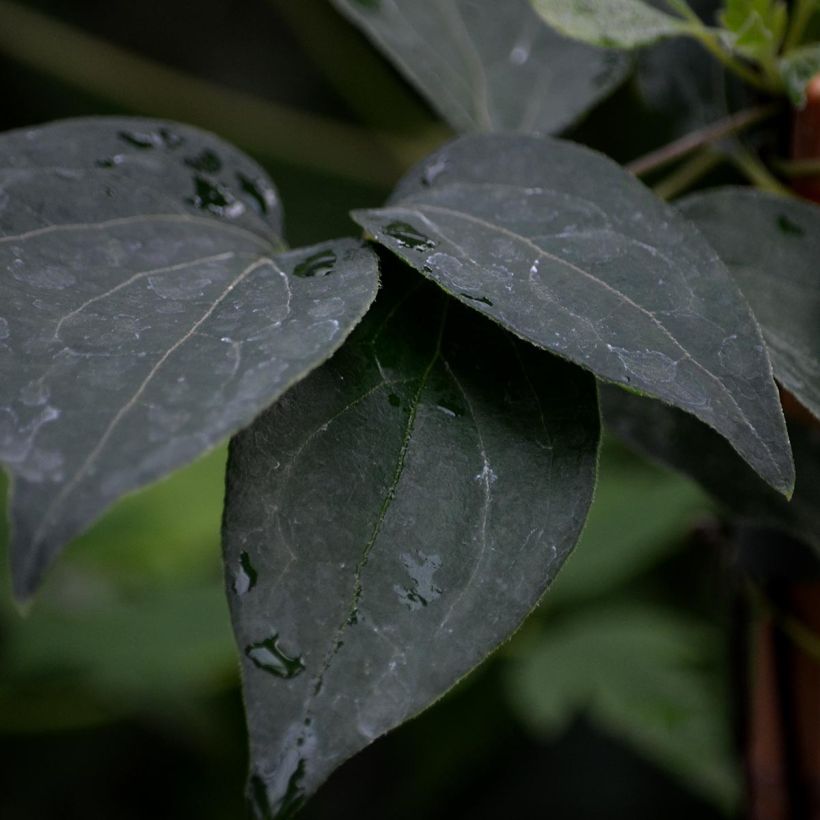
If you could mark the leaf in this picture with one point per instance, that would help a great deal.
(641, 673)
(797, 68)
(755, 27)
(486, 65)
(681, 442)
(639, 515)
(611, 23)
(147, 314)
(771, 245)
(389, 522)
(570, 252)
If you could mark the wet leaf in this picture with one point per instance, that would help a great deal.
(486, 65)
(611, 23)
(403, 508)
(148, 312)
(771, 245)
(568, 251)
(642, 673)
(682, 442)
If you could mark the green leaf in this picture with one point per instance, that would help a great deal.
(641, 673)
(797, 68)
(148, 313)
(611, 23)
(771, 245)
(389, 522)
(755, 27)
(681, 442)
(639, 515)
(570, 252)
(486, 65)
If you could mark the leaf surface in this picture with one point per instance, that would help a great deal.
(771, 246)
(682, 442)
(611, 23)
(486, 65)
(389, 522)
(797, 68)
(148, 312)
(568, 251)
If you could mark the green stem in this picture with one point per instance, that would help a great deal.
(137, 84)
(803, 11)
(756, 172)
(711, 42)
(798, 167)
(688, 174)
(697, 139)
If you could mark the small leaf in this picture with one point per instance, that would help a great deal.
(755, 28)
(486, 65)
(148, 313)
(797, 68)
(611, 23)
(682, 442)
(642, 673)
(404, 508)
(771, 245)
(568, 251)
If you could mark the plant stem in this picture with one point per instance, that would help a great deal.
(688, 174)
(798, 167)
(135, 83)
(711, 42)
(756, 172)
(800, 17)
(697, 139)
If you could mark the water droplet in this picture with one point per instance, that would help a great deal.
(789, 226)
(287, 806)
(519, 55)
(483, 299)
(421, 590)
(408, 237)
(263, 196)
(162, 138)
(394, 400)
(268, 656)
(246, 575)
(353, 618)
(317, 264)
(213, 197)
(110, 162)
(433, 171)
(206, 161)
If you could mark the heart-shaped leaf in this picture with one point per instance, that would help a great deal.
(567, 250)
(389, 522)
(148, 313)
(771, 246)
(486, 65)
(612, 23)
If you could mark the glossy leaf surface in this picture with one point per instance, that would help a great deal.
(148, 313)
(771, 246)
(612, 23)
(682, 442)
(486, 65)
(568, 251)
(389, 522)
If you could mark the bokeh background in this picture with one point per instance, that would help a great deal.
(119, 690)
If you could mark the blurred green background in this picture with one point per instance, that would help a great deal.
(119, 691)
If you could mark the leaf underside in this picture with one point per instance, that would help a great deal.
(148, 312)
(567, 250)
(488, 66)
(771, 246)
(389, 522)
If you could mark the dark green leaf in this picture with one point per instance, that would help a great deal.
(147, 314)
(797, 68)
(568, 251)
(487, 65)
(771, 246)
(612, 23)
(682, 442)
(642, 673)
(389, 522)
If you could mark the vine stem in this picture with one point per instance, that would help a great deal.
(697, 139)
(683, 178)
(756, 172)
